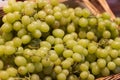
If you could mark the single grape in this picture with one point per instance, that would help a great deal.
(58, 69)
(20, 61)
(83, 22)
(84, 75)
(12, 71)
(61, 76)
(26, 39)
(1, 64)
(35, 77)
(22, 70)
(77, 57)
(111, 65)
(4, 75)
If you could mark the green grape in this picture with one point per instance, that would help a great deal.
(62, 6)
(50, 19)
(35, 59)
(75, 35)
(4, 75)
(91, 77)
(116, 61)
(117, 20)
(31, 27)
(41, 3)
(67, 37)
(10, 17)
(35, 77)
(53, 57)
(106, 15)
(115, 45)
(71, 43)
(61, 76)
(105, 72)
(45, 44)
(113, 53)
(38, 67)
(44, 27)
(77, 57)
(85, 12)
(102, 53)
(27, 53)
(30, 67)
(28, 10)
(95, 70)
(71, 28)
(58, 61)
(2, 49)
(54, 2)
(42, 14)
(92, 49)
(9, 50)
(2, 41)
(83, 42)
(58, 15)
(90, 35)
(16, 7)
(72, 77)
(66, 64)
(111, 65)
(12, 71)
(65, 13)
(78, 49)
(7, 9)
(83, 22)
(10, 2)
(17, 15)
(1, 64)
(45, 62)
(6, 27)
(84, 67)
(17, 25)
(67, 53)
(92, 64)
(26, 39)
(82, 34)
(106, 34)
(50, 39)
(85, 52)
(37, 34)
(48, 78)
(84, 75)
(49, 11)
(65, 71)
(56, 9)
(117, 70)
(25, 20)
(101, 63)
(78, 11)
(113, 26)
(20, 61)
(101, 26)
(58, 69)
(59, 48)
(4, 19)
(22, 70)
(92, 22)
(58, 41)
(17, 42)
(108, 58)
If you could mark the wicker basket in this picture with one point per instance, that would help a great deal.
(92, 5)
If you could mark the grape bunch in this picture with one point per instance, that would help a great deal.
(51, 41)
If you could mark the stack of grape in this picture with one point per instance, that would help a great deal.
(49, 41)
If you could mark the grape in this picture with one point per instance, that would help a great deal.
(58, 69)
(53, 2)
(53, 57)
(116, 61)
(9, 50)
(78, 49)
(12, 71)
(84, 67)
(105, 15)
(44, 27)
(26, 39)
(10, 17)
(61, 76)
(90, 35)
(58, 15)
(7, 8)
(45, 62)
(17, 42)
(42, 14)
(20, 61)
(106, 34)
(77, 57)
(111, 65)
(65, 71)
(25, 20)
(2, 48)
(37, 34)
(84, 75)
(21, 32)
(96, 70)
(105, 71)
(34, 77)
(78, 11)
(17, 25)
(70, 28)
(58, 41)
(22, 70)
(113, 53)
(66, 64)
(50, 19)
(67, 53)
(58, 33)
(45, 44)
(1, 64)
(59, 48)
(101, 63)
(83, 42)
(92, 22)
(58, 61)
(62, 6)
(91, 77)
(38, 67)
(4, 75)
(50, 39)
(31, 27)
(115, 45)
(67, 37)
(6, 27)
(30, 67)
(83, 22)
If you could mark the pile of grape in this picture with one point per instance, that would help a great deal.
(49, 41)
